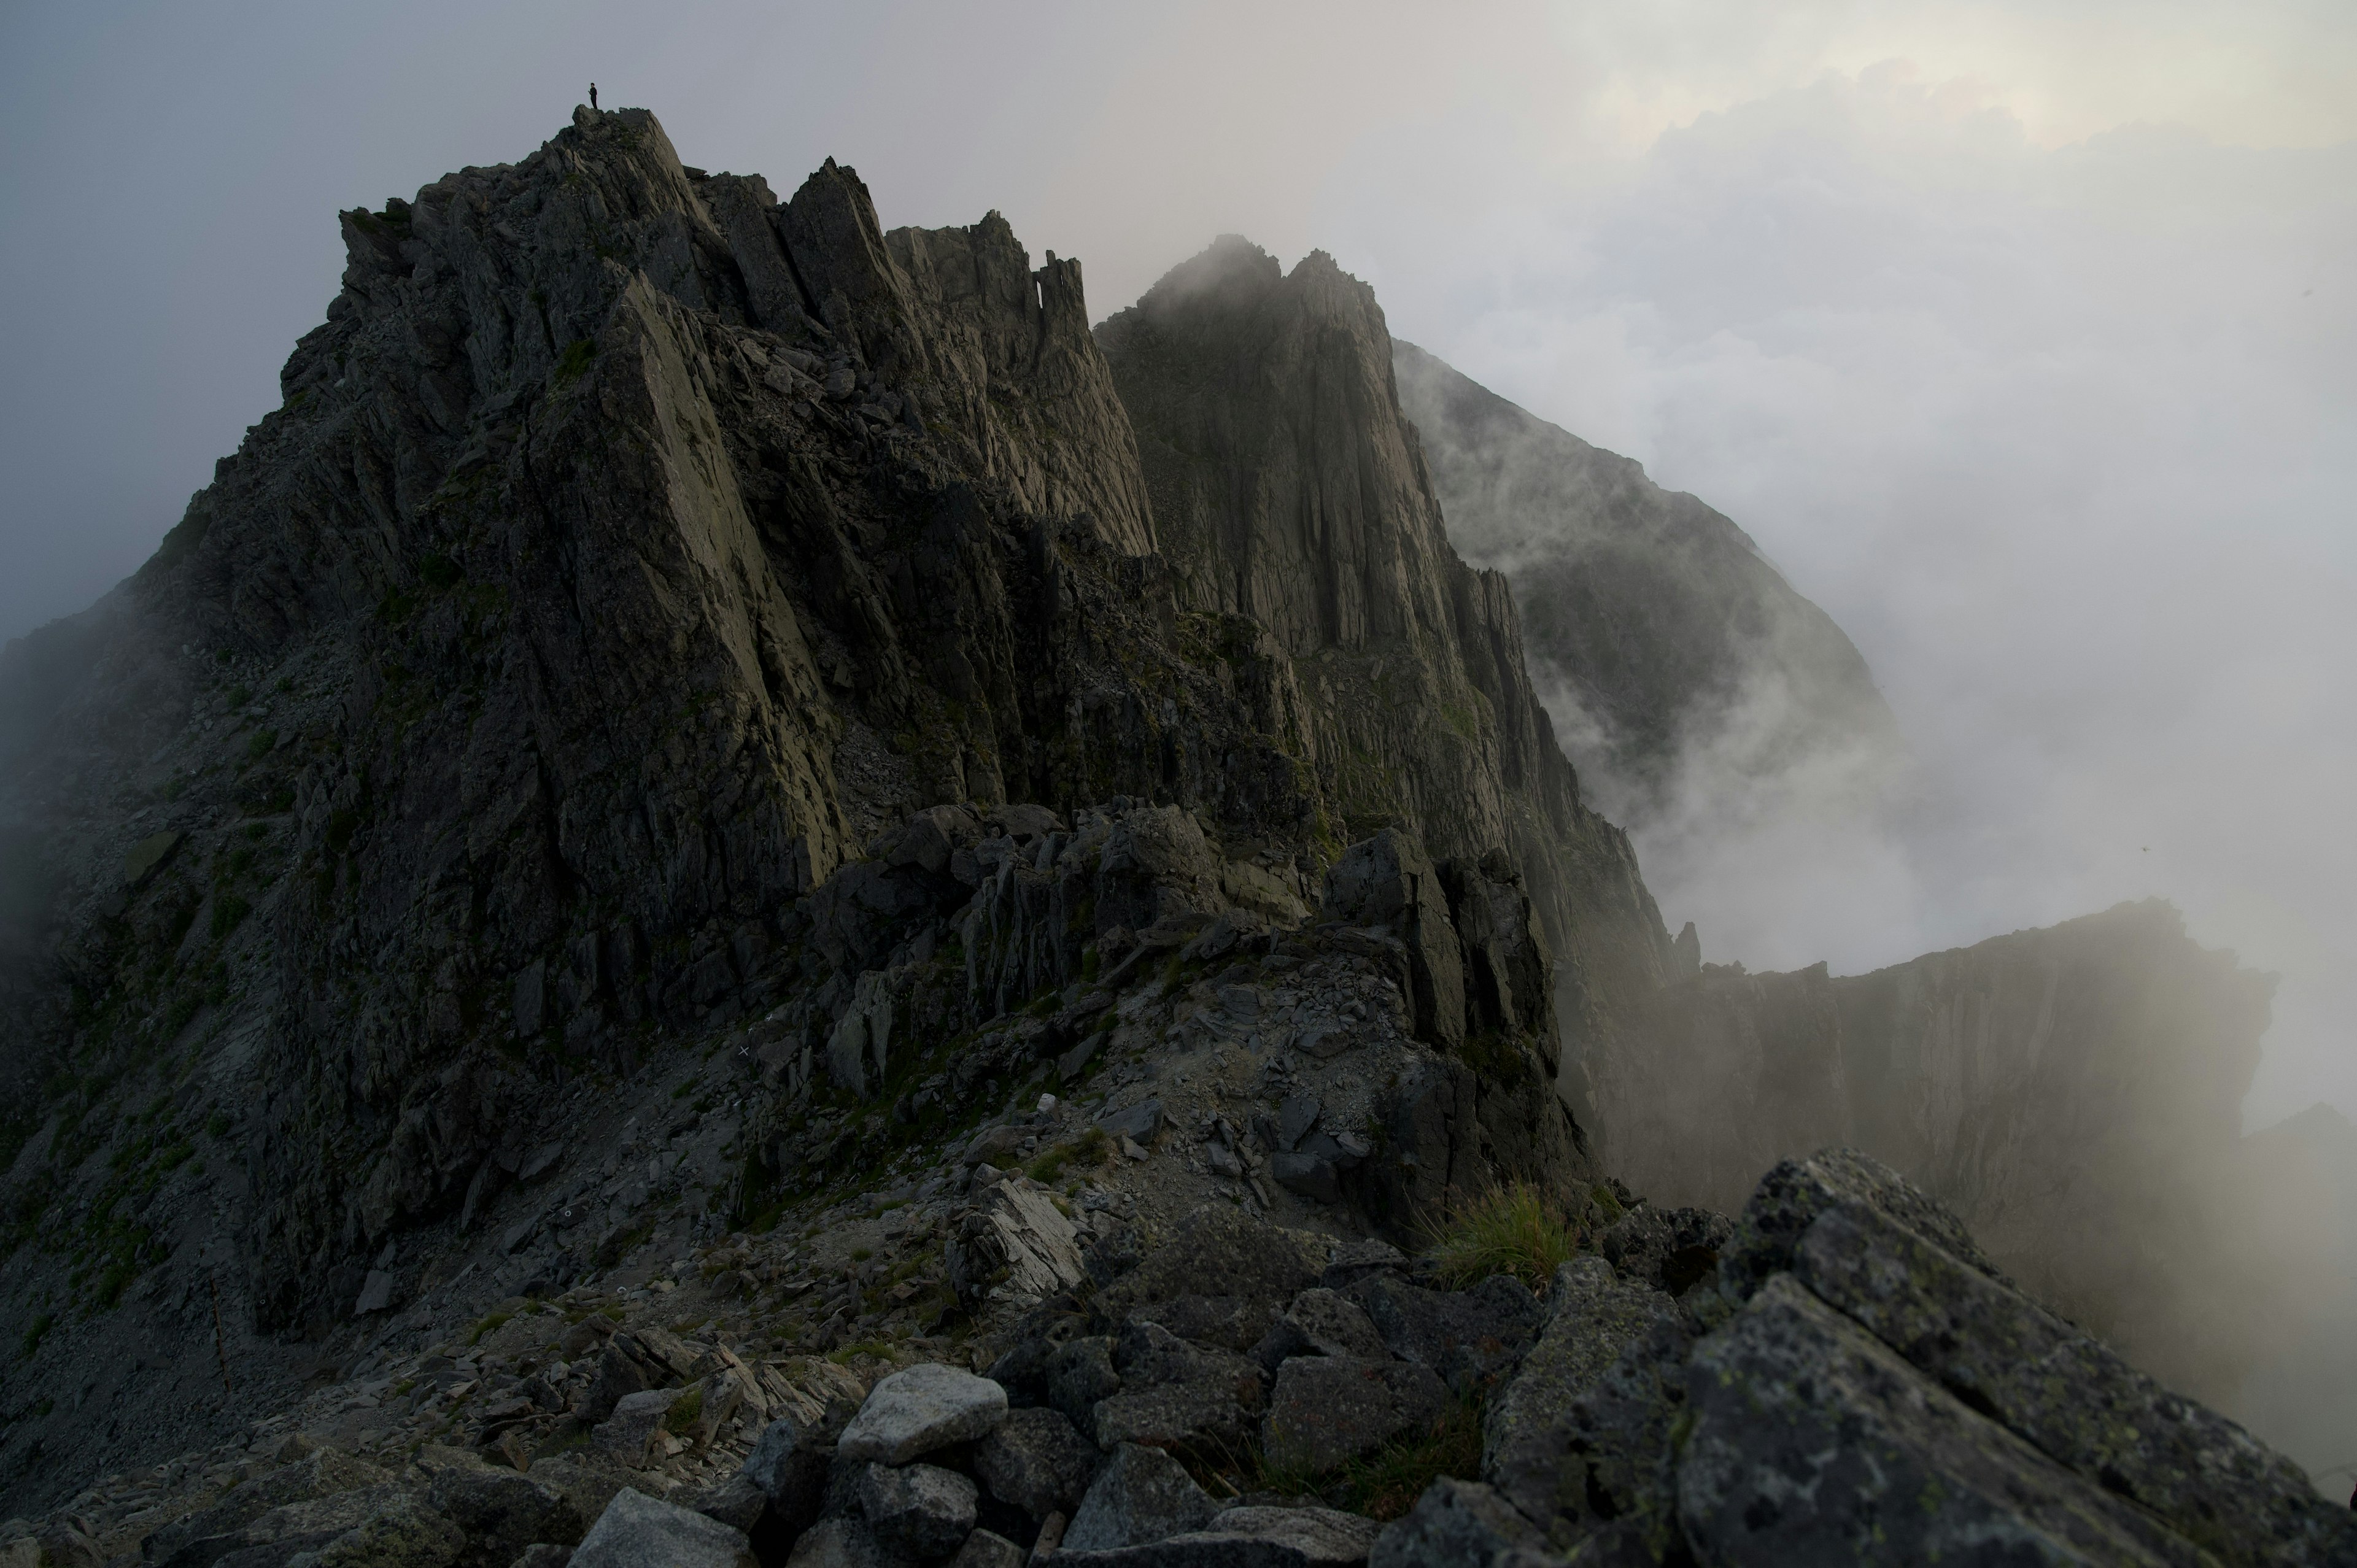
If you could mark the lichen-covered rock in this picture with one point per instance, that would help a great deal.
(844, 1542)
(1671, 1249)
(1327, 1410)
(1811, 1442)
(1174, 1392)
(1530, 1435)
(1251, 1258)
(1079, 1373)
(1037, 1461)
(1323, 1323)
(985, 1549)
(1140, 1495)
(921, 1509)
(636, 1428)
(402, 1533)
(1456, 1524)
(1465, 1336)
(323, 1474)
(2068, 1395)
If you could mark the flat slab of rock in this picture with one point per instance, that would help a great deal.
(1248, 1538)
(1811, 1442)
(1141, 1495)
(630, 1434)
(639, 1531)
(1328, 1410)
(2066, 1393)
(920, 1409)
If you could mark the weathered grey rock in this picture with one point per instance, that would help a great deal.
(736, 1502)
(402, 1532)
(1250, 1259)
(633, 1433)
(1456, 1524)
(1250, 1538)
(1325, 1409)
(1527, 1432)
(307, 1525)
(1140, 1495)
(1466, 1337)
(1079, 1373)
(1354, 1260)
(1176, 1393)
(920, 1409)
(1037, 1461)
(1324, 1323)
(1223, 1322)
(543, 1555)
(1139, 1123)
(503, 1513)
(1671, 1249)
(2067, 1394)
(984, 1550)
(1810, 1441)
(790, 1461)
(634, 1361)
(844, 1542)
(921, 1509)
(1307, 1174)
(1016, 1240)
(637, 1531)
(1388, 879)
(322, 1474)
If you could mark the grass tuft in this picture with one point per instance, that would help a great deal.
(1516, 1229)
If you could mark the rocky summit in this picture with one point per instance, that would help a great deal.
(738, 895)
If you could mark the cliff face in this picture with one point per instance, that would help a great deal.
(564, 674)
(1288, 487)
(2073, 1092)
(1648, 617)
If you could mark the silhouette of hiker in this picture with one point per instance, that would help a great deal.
(593, 95)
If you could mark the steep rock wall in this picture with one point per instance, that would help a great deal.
(2073, 1092)
(1288, 487)
(1647, 612)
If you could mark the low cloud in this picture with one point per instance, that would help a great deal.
(2058, 435)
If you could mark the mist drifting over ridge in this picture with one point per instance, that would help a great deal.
(2051, 435)
(2050, 415)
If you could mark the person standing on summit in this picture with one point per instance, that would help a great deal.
(593, 95)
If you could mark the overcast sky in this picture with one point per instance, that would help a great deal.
(2020, 336)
